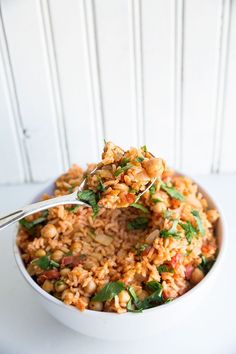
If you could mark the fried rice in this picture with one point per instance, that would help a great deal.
(121, 259)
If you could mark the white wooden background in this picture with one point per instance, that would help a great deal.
(72, 72)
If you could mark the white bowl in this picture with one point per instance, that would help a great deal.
(129, 325)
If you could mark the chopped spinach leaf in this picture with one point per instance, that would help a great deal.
(109, 291)
(138, 223)
(206, 264)
(173, 193)
(172, 232)
(45, 263)
(153, 285)
(101, 186)
(139, 206)
(88, 196)
(30, 224)
(190, 231)
(156, 200)
(122, 169)
(196, 215)
(152, 190)
(152, 300)
(139, 159)
(164, 268)
(73, 209)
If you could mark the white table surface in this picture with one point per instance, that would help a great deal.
(25, 328)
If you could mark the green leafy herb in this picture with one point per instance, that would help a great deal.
(169, 299)
(164, 268)
(139, 159)
(139, 206)
(153, 285)
(105, 142)
(167, 214)
(45, 263)
(156, 200)
(109, 291)
(138, 223)
(196, 215)
(152, 190)
(140, 248)
(173, 193)
(130, 307)
(206, 264)
(30, 224)
(73, 209)
(101, 186)
(124, 162)
(152, 300)
(89, 197)
(144, 148)
(132, 191)
(172, 232)
(122, 169)
(190, 231)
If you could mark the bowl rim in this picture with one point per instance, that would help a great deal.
(175, 302)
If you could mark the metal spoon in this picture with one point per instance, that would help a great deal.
(49, 203)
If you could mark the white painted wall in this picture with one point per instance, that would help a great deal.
(72, 72)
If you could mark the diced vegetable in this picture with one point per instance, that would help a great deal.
(109, 291)
(196, 215)
(138, 223)
(124, 162)
(73, 260)
(88, 196)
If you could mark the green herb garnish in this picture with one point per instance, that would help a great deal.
(73, 209)
(153, 285)
(196, 215)
(89, 197)
(138, 223)
(152, 190)
(167, 214)
(173, 193)
(45, 263)
(164, 268)
(190, 231)
(140, 248)
(139, 206)
(124, 162)
(152, 300)
(139, 159)
(101, 186)
(206, 264)
(144, 148)
(156, 200)
(30, 224)
(172, 232)
(122, 169)
(109, 291)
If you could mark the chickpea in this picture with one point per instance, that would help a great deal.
(76, 246)
(91, 287)
(57, 255)
(67, 297)
(64, 271)
(96, 305)
(49, 231)
(60, 286)
(154, 167)
(40, 253)
(123, 298)
(196, 276)
(47, 286)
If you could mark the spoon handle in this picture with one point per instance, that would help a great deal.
(35, 207)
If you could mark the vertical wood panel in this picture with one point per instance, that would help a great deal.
(80, 94)
(158, 29)
(201, 47)
(227, 161)
(28, 53)
(115, 54)
(11, 146)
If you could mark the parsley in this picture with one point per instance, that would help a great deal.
(124, 162)
(196, 215)
(144, 148)
(101, 186)
(138, 223)
(30, 224)
(164, 268)
(139, 249)
(173, 193)
(206, 264)
(89, 197)
(45, 263)
(122, 169)
(73, 209)
(152, 300)
(156, 200)
(169, 299)
(190, 231)
(109, 291)
(172, 232)
(139, 206)
(152, 190)
(139, 159)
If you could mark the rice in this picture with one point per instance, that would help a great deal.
(143, 256)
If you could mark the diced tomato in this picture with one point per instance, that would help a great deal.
(164, 294)
(188, 271)
(73, 260)
(51, 274)
(130, 198)
(175, 260)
